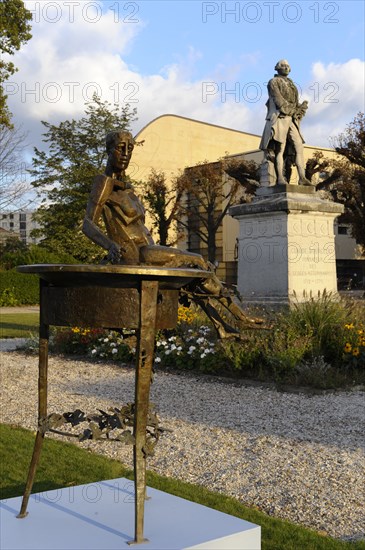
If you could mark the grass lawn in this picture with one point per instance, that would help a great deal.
(18, 325)
(64, 464)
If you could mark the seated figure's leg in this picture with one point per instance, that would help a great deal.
(171, 257)
(216, 301)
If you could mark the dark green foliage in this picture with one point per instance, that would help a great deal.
(34, 254)
(64, 174)
(18, 288)
(14, 31)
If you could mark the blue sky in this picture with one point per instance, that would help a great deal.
(227, 32)
(204, 60)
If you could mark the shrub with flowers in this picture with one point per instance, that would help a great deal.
(97, 343)
(186, 315)
(197, 349)
(319, 343)
(354, 349)
(193, 345)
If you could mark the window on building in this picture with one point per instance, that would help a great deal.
(11, 216)
(22, 217)
(22, 225)
(11, 224)
(343, 230)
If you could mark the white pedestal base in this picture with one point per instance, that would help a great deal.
(286, 246)
(101, 516)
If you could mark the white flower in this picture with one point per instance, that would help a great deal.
(114, 350)
(163, 343)
(93, 351)
(202, 355)
(133, 350)
(200, 340)
(158, 360)
(179, 348)
(106, 340)
(167, 352)
(173, 347)
(113, 345)
(191, 349)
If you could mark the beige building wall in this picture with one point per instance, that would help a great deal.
(172, 143)
(346, 246)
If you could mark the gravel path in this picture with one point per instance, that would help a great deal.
(294, 456)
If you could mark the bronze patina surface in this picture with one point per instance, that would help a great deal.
(110, 296)
(140, 289)
(128, 241)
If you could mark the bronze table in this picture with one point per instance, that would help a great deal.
(144, 298)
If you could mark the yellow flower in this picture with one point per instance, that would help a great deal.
(349, 326)
(185, 315)
(355, 352)
(360, 332)
(75, 330)
(347, 348)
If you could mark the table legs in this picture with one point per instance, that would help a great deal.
(145, 355)
(42, 413)
(144, 364)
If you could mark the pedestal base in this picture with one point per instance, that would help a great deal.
(101, 516)
(286, 245)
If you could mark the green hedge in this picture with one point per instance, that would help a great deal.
(18, 289)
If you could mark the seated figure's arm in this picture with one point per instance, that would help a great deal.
(100, 192)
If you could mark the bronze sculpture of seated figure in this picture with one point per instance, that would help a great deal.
(129, 242)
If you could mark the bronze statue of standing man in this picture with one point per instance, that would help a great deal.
(282, 140)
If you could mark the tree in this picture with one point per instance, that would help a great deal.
(211, 188)
(345, 181)
(14, 31)
(13, 183)
(63, 175)
(163, 202)
(14, 252)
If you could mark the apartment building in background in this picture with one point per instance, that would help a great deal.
(19, 224)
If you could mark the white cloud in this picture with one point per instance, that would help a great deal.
(335, 95)
(65, 62)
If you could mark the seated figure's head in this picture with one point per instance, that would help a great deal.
(282, 67)
(119, 146)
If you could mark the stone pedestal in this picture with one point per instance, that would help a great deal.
(286, 248)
